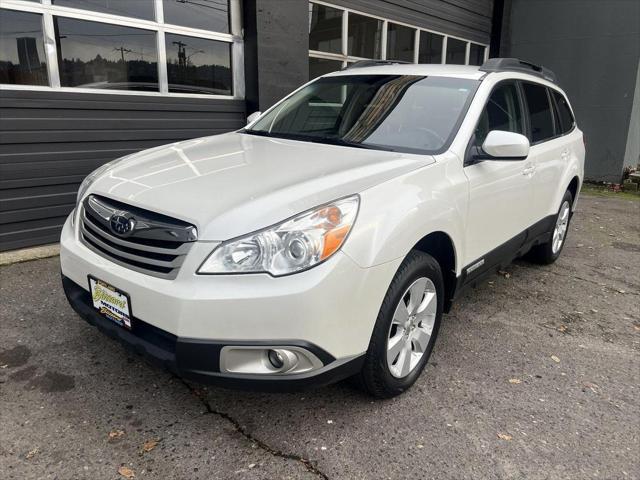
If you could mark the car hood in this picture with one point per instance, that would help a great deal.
(232, 184)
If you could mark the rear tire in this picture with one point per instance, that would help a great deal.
(548, 252)
(406, 328)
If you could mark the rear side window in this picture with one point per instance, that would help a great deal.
(502, 112)
(540, 113)
(565, 116)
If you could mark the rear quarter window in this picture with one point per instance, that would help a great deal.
(540, 112)
(565, 116)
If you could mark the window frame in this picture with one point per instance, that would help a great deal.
(415, 34)
(556, 111)
(484, 56)
(552, 106)
(346, 59)
(443, 48)
(48, 11)
(469, 156)
(22, 86)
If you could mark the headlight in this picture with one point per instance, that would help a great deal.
(291, 246)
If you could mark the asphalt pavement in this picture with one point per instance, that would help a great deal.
(535, 375)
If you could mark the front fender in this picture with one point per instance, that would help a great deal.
(394, 216)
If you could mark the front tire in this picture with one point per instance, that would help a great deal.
(406, 327)
(548, 252)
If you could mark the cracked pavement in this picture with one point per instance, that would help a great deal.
(535, 375)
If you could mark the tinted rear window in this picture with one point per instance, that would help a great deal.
(564, 112)
(540, 114)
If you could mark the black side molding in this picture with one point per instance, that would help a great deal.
(504, 254)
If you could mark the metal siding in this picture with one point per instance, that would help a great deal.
(282, 48)
(469, 19)
(595, 55)
(49, 141)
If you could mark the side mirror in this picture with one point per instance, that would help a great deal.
(501, 145)
(253, 117)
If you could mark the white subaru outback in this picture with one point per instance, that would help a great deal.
(327, 238)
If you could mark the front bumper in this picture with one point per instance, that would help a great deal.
(200, 360)
(184, 323)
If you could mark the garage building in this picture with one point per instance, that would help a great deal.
(83, 82)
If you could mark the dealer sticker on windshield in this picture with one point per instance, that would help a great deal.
(111, 302)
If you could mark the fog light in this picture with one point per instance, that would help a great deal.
(276, 359)
(267, 360)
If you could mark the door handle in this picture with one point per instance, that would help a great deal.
(529, 170)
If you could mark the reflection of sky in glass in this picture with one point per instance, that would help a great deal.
(205, 14)
(128, 8)
(85, 40)
(15, 25)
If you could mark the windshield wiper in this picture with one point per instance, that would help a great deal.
(260, 133)
(318, 139)
(345, 143)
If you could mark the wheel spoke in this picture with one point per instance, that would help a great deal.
(401, 315)
(394, 347)
(429, 304)
(421, 339)
(416, 294)
(404, 360)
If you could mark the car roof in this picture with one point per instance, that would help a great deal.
(434, 70)
(438, 70)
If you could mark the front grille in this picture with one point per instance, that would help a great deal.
(157, 244)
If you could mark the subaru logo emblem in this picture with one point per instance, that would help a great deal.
(121, 224)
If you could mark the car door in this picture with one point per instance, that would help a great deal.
(500, 191)
(549, 150)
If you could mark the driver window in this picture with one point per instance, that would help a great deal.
(502, 112)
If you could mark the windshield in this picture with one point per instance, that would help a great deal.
(405, 113)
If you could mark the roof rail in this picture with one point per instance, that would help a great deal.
(373, 63)
(517, 65)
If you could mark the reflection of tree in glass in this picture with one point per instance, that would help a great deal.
(197, 65)
(124, 50)
(96, 55)
(100, 72)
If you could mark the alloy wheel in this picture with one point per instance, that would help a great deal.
(560, 230)
(411, 327)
